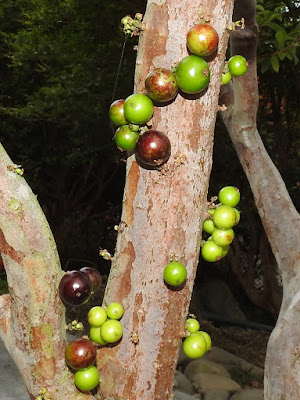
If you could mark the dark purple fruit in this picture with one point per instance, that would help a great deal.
(80, 354)
(75, 288)
(161, 85)
(152, 149)
(94, 276)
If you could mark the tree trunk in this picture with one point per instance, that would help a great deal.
(32, 320)
(162, 212)
(279, 217)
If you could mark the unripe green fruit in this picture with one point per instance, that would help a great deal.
(208, 226)
(95, 335)
(125, 138)
(238, 216)
(206, 337)
(211, 252)
(225, 78)
(237, 65)
(111, 331)
(195, 346)
(115, 311)
(229, 195)
(225, 250)
(138, 108)
(224, 217)
(96, 316)
(175, 273)
(192, 325)
(222, 237)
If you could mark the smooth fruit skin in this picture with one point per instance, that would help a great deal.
(115, 310)
(138, 108)
(75, 288)
(224, 217)
(175, 273)
(208, 226)
(94, 276)
(195, 346)
(116, 112)
(238, 216)
(206, 337)
(97, 316)
(95, 335)
(202, 40)
(222, 237)
(80, 353)
(152, 149)
(125, 138)
(225, 250)
(161, 85)
(111, 331)
(226, 78)
(211, 252)
(229, 196)
(87, 379)
(237, 65)
(192, 74)
(192, 325)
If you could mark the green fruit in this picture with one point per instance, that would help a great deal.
(192, 325)
(95, 335)
(125, 138)
(207, 338)
(96, 316)
(229, 196)
(225, 250)
(111, 331)
(87, 379)
(208, 226)
(222, 237)
(138, 108)
(115, 311)
(116, 112)
(175, 273)
(192, 74)
(237, 65)
(226, 78)
(195, 346)
(238, 216)
(211, 252)
(224, 217)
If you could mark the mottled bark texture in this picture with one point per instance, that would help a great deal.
(278, 214)
(32, 320)
(162, 212)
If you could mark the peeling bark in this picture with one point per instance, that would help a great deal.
(32, 320)
(162, 213)
(279, 216)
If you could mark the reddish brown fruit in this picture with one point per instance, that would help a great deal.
(202, 40)
(80, 354)
(153, 149)
(161, 85)
(75, 288)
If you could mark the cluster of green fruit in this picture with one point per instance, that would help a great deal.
(196, 342)
(80, 354)
(222, 218)
(191, 75)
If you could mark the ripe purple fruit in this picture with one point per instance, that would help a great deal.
(75, 288)
(94, 276)
(161, 85)
(152, 149)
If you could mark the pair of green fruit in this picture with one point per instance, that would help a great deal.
(219, 225)
(197, 342)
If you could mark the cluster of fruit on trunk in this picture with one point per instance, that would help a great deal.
(191, 75)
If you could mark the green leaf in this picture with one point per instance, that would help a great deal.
(265, 65)
(275, 63)
(275, 27)
(280, 36)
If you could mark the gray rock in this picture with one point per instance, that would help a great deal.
(217, 395)
(182, 396)
(182, 384)
(204, 382)
(11, 384)
(202, 365)
(249, 394)
(232, 362)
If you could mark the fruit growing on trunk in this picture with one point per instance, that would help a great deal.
(202, 40)
(111, 331)
(226, 78)
(94, 276)
(192, 74)
(125, 138)
(211, 252)
(175, 274)
(87, 379)
(152, 149)
(115, 310)
(97, 316)
(116, 112)
(222, 237)
(161, 85)
(229, 195)
(237, 65)
(224, 217)
(195, 346)
(80, 353)
(95, 335)
(75, 288)
(138, 108)
(208, 226)
(192, 325)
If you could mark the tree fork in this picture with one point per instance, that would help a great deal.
(162, 212)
